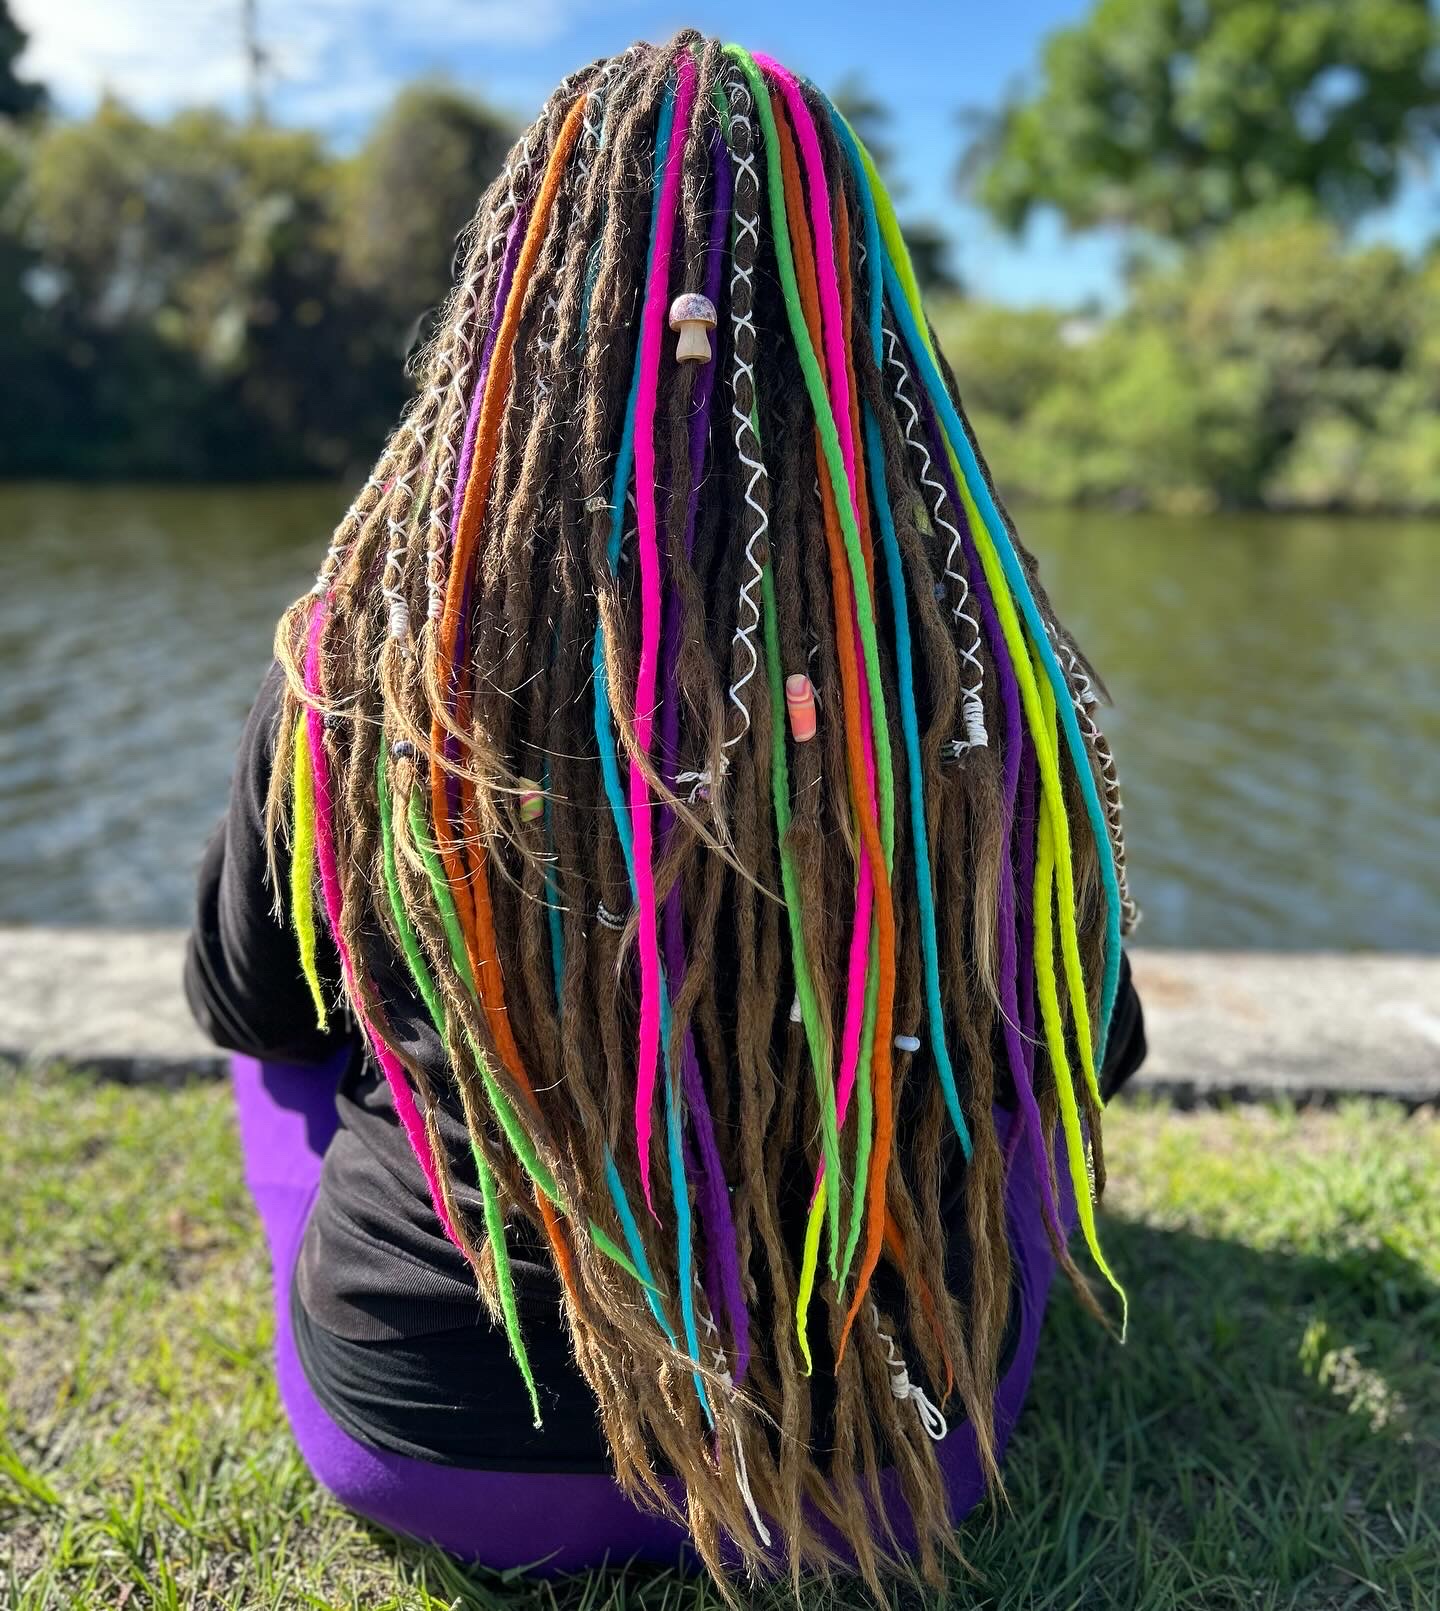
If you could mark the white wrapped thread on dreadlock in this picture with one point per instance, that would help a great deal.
(934, 1422)
(747, 621)
(721, 1367)
(592, 133)
(469, 317)
(344, 535)
(1083, 697)
(393, 573)
(701, 782)
(972, 703)
(517, 174)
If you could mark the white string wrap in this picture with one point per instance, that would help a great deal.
(722, 1370)
(747, 619)
(935, 1424)
(1084, 699)
(517, 175)
(342, 536)
(392, 577)
(972, 703)
(592, 126)
(701, 781)
(609, 919)
(547, 338)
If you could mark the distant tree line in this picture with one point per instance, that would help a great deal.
(1274, 366)
(206, 297)
(1262, 357)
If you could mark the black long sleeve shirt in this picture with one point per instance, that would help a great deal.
(387, 1321)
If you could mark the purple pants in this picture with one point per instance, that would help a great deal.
(555, 1521)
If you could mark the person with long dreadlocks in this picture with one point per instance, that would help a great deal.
(670, 908)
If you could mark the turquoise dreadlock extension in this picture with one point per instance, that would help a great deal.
(1040, 676)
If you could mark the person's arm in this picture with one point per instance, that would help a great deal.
(242, 963)
(1125, 1050)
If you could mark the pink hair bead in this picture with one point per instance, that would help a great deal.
(800, 702)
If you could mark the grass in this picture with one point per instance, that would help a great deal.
(1268, 1438)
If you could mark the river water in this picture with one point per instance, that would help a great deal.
(1276, 685)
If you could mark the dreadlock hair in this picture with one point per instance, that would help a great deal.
(722, 1003)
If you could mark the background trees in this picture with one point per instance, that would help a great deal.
(1272, 366)
(207, 297)
(409, 191)
(1262, 357)
(1177, 116)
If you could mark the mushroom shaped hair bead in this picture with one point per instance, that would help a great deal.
(692, 315)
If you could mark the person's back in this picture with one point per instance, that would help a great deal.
(689, 829)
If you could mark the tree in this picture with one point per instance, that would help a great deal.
(1274, 365)
(206, 296)
(194, 301)
(1176, 116)
(871, 120)
(930, 246)
(17, 98)
(411, 189)
(931, 257)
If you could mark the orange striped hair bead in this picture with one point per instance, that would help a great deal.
(800, 703)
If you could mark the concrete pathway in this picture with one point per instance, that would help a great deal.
(1242, 1025)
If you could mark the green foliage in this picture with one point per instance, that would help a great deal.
(1177, 116)
(931, 257)
(173, 220)
(1008, 358)
(1272, 366)
(202, 297)
(412, 188)
(872, 120)
(18, 99)
(205, 298)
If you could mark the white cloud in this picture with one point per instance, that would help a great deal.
(154, 52)
(329, 61)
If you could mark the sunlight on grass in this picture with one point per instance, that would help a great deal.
(1268, 1438)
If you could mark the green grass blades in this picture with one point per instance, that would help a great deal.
(1269, 1438)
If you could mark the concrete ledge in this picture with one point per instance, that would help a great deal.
(1238, 1026)
(107, 999)
(1306, 1027)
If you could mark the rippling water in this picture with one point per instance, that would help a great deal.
(1277, 689)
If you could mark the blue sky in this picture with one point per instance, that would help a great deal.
(336, 61)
